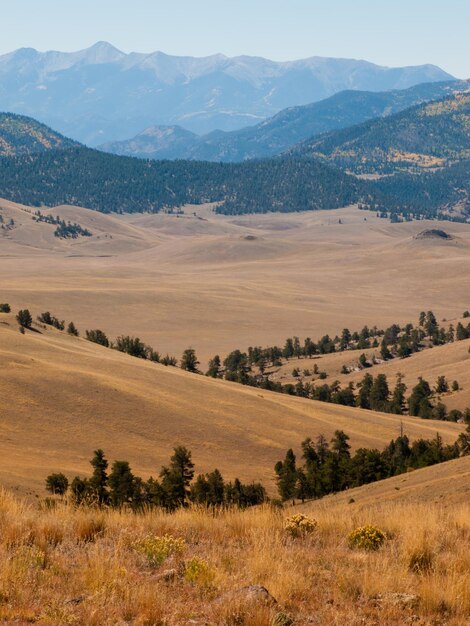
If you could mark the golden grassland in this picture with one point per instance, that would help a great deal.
(219, 283)
(61, 397)
(65, 566)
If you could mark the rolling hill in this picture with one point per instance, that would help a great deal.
(280, 132)
(75, 92)
(61, 397)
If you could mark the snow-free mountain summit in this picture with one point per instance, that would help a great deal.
(103, 94)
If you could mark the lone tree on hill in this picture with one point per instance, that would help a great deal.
(24, 318)
(189, 360)
(72, 329)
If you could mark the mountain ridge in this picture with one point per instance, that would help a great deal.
(282, 131)
(75, 92)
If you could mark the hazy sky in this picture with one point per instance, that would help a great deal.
(388, 32)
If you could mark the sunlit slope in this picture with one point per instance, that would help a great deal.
(446, 483)
(451, 360)
(220, 283)
(61, 397)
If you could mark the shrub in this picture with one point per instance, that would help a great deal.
(299, 525)
(157, 549)
(57, 484)
(366, 538)
(5, 308)
(197, 571)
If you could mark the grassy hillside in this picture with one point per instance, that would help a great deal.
(219, 283)
(103, 568)
(428, 136)
(451, 361)
(20, 135)
(61, 397)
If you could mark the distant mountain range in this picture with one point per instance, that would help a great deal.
(102, 94)
(280, 132)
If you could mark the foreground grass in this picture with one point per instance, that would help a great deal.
(66, 566)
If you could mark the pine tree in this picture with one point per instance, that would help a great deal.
(287, 476)
(24, 318)
(379, 394)
(121, 484)
(189, 360)
(214, 367)
(398, 402)
(99, 479)
(72, 330)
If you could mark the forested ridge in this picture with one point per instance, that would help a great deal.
(421, 158)
(107, 183)
(425, 136)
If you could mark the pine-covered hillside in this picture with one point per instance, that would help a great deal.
(423, 138)
(20, 135)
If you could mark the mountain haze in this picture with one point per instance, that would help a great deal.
(102, 94)
(280, 132)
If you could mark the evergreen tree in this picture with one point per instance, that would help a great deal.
(121, 484)
(189, 360)
(379, 394)
(419, 401)
(365, 388)
(72, 330)
(287, 476)
(177, 478)
(398, 402)
(24, 318)
(214, 367)
(99, 479)
(57, 484)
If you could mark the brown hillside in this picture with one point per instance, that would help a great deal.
(198, 280)
(61, 397)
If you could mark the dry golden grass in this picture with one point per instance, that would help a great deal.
(66, 566)
(62, 397)
(180, 281)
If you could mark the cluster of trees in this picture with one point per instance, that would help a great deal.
(249, 367)
(394, 342)
(132, 346)
(52, 320)
(175, 487)
(330, 467)
(7, 225)
(64, 230)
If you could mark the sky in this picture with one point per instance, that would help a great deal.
(387, 32)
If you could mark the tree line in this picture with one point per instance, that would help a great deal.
(249, 368)
(330, 467)
(118, 486)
